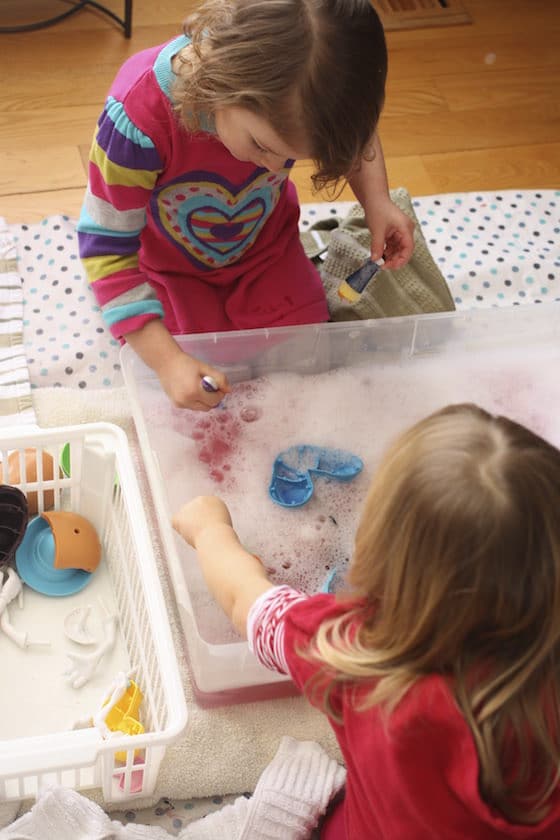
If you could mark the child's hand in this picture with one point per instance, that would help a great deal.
(181, 379)
(392, 234)
(234, 576)
(198, 515)
(180, 374)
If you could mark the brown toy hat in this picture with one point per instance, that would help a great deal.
(13, 522)
(76, 544)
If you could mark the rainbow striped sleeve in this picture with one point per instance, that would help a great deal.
(124, 165)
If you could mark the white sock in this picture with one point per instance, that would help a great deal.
(291, 795)
(293, 792)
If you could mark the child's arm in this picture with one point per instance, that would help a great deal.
(235, 577)
(180, 374)
(124, 167)
(392, 232)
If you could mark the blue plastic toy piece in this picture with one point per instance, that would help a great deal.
(35, 563)
(328, 583)
(291, 484)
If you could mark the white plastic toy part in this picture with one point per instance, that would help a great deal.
(11, 589)
(85, 664)
(75, 626)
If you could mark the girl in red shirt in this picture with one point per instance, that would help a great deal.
(439, 667)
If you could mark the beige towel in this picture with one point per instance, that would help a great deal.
(416, 288)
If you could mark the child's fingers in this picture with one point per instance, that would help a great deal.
(199, 513)
(377, 247)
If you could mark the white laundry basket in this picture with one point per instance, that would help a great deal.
(101, 486)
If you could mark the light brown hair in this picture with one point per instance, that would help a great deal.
(458, 553)
(315, 69)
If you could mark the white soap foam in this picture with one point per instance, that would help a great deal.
(230, 451)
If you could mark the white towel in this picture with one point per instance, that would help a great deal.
(63, 814)
(291, 796)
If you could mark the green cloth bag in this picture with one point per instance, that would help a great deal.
(416, 288)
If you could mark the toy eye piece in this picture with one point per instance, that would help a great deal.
(76, 530)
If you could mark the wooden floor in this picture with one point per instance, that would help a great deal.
(469, 107)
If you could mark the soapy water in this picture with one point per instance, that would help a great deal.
(230, 450)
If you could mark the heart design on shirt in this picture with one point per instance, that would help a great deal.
(210, 220)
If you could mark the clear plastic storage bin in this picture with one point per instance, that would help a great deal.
(39, 745)
(352, 385)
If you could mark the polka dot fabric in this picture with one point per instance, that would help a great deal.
(174, 815)
(65, 339)
(494, 249)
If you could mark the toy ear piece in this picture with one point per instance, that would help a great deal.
(13, 522)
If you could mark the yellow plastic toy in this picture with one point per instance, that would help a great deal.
(123, 717)
(119, 712)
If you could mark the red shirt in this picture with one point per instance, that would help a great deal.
(410, 776)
